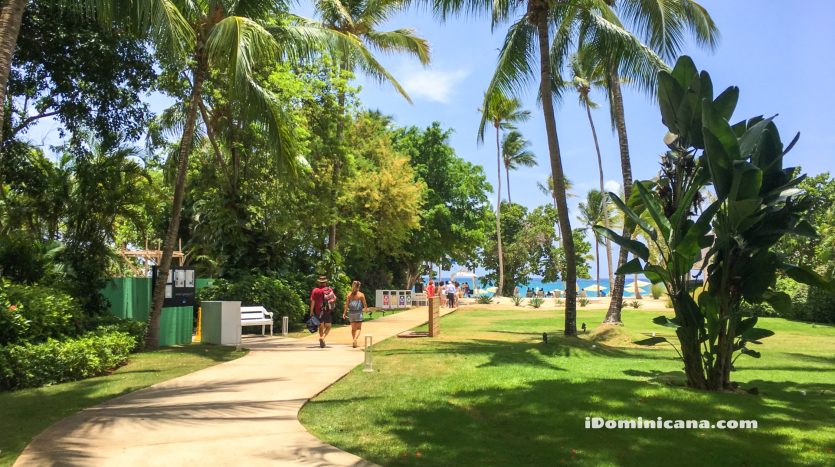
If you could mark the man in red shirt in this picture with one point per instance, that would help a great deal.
(430, 290)
(318, 306)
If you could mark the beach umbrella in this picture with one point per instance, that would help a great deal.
(492, 289)
(593, 288)
(640, 284)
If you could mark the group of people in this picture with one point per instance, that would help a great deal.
(450, 290)
(323, 305)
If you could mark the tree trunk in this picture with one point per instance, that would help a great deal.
(605, 211)
(539, 16)
(507, 174)
(613, 316)
(11, 15)
(179, 194)
(597, 256)
(500, 287)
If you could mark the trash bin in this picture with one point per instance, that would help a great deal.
(221, 323)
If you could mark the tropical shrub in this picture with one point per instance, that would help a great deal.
(558, 302)
(635, 304)
(34, 313)
(583, 301)
(536, 302)
(136, 329)
(756, 204)
(275, 294)
(517, 300)
(484, 299)
(657, 290)
(51, 362)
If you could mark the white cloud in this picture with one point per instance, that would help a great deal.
(612, 186)
(432, 85)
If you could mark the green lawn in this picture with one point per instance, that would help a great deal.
(489, 392)
(25, 413)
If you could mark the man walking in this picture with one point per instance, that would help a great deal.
(319, 307)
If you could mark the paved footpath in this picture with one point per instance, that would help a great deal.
(243, 412)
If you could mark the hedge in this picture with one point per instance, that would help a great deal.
(273, 293)
(32, 365)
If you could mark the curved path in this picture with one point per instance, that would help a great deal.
(236, 413)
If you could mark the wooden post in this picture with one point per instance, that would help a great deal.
(434, 316)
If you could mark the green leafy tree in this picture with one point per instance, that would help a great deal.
(756, 204)
(360, 21)
(515, 154)
(501, 112)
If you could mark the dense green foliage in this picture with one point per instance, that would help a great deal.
(52, 362)
(34, 313)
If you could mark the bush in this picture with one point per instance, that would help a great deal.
(558, 302)
(536, 302)
(808, 304)
(35, 313)
(635, 304)
(583, 301)
(657, 290)
(51, 362)
(275, 294)
(136, 329)
(484, 299)
(517, 300)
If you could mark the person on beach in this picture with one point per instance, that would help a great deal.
(319, 307)
(450, 294)
(430, 290)
(354, 306)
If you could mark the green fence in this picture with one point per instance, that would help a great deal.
(130, 298)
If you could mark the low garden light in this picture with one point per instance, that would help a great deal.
(545, 337)
(583, 327)
(369, 340)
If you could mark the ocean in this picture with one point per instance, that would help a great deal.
(536, 282)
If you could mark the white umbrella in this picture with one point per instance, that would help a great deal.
(593, 288)
(640, 284)
(492, 289)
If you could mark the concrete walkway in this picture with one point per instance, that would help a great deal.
(242, 412)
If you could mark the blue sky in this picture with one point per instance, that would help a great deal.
(779, 53)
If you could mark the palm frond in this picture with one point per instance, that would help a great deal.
(400, 40)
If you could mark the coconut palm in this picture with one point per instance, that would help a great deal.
(501, 112)
(587, 73)
(359, 20)
(663, 27)
(515, 154)
(547, 189)
(595, 211)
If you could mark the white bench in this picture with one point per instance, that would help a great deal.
(256, 316)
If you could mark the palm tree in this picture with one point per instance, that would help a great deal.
(592, 212)
(359, 20)
(661, 25)
(588, 73)
(547, 189)
(502, 112)
(515, 154)
(11, 16)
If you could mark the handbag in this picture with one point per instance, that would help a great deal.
(312, 323)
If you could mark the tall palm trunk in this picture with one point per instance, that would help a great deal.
(613, 316)
(605, 208)
(507, 174)
(499, 215)
(597, 255)
(11, 15)
(537, 11)
(179, 194)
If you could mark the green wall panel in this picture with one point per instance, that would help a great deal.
(176, 326)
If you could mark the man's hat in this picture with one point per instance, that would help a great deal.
(322, 279)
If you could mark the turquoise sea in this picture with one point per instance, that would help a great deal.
(549, 286)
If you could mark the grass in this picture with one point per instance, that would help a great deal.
(490, 392)
(27, 412)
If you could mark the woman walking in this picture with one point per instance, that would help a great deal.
(354, 306)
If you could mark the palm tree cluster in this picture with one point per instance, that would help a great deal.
(602, 43)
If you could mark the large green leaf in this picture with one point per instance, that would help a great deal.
(745, 325)
(806, 276)
(633, 246)
(725, 103)
(669, 97)
(780, 301)
(718, 163)
(749, 352)
(633, 216)
(747, 181)
(655, 211)
(632, 266)
(690, 245)
(752, 136)
(713, 121)
(756, 334)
